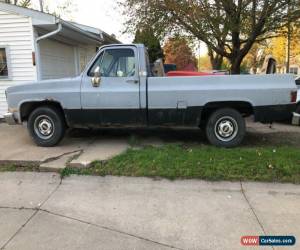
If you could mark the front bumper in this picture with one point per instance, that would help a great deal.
(10, 118)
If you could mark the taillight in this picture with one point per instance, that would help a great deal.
(293, 96)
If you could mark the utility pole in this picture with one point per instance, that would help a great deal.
(41, 5)
(289, 38)
(199, 57)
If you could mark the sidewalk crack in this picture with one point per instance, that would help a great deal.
(109, 229)
(36, 210)
(17, 232)
(80, 151)
(252, 209)
(39, 209)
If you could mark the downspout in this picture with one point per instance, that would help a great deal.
(37, 54)
(52, 33)
(102, 39)
(102, 36)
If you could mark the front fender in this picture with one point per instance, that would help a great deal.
(26, 106)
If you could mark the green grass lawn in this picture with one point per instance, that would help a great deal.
(278, 164)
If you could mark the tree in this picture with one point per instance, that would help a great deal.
(146, 36)
(216, 60)
(255, 58)
(177, 51)
(278, 46)
(229, 27)
(22, 3)
(64, 9)
(204, 63)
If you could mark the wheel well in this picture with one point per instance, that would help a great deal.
(245, 108)
(28, 107)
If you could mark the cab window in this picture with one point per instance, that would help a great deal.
(116, 63)
(96, 64)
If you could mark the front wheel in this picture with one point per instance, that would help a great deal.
(46, 126)
(225, 128)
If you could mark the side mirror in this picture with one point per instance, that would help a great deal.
(96, 79)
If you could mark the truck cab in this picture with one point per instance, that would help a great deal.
(112, 88)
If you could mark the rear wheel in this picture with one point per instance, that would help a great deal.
(46, 126)
(225, 128)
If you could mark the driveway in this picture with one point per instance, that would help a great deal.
(41, 211)
(81, 147)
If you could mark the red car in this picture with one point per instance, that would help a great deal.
(192, 73)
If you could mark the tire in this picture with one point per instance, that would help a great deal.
(225, 128)
(46, 126)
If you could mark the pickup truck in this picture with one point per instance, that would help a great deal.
(117, 88)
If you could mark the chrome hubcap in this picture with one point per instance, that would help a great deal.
(43, 127)
(226, 129)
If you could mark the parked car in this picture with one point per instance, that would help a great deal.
(117, 89)
(193, 73)
(298, 95)
(170, 67)
(296, 114)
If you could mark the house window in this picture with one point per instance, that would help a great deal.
(3, 64)
(294, 70)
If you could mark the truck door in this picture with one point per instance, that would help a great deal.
(112, 97)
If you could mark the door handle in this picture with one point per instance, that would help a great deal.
(133, 81)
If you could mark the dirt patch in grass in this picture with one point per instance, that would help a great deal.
(18, 168)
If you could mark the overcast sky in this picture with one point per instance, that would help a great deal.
(103, 14)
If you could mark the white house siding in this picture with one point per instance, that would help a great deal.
(16, 34)
(57, 60)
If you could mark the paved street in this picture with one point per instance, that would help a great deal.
(39, 211)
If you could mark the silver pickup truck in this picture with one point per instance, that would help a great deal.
(117, 88)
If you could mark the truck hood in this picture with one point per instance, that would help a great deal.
(40, 85)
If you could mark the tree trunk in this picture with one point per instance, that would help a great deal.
(236, 57)
(215, 60)
(217, 63)
(236, 65)
(235, 69)
(255, 65)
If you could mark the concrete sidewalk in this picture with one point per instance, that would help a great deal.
(18, 148)
(41, 211)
